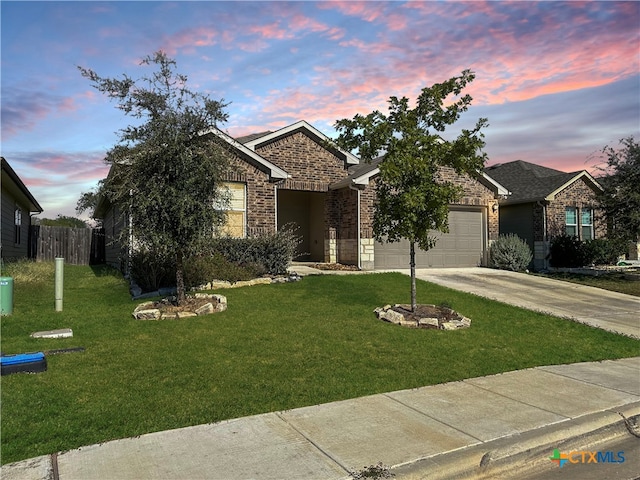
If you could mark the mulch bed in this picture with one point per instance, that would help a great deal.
(333, 266)
(443, 314)
(169, 305)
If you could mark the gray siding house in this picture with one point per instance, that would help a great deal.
(17, 206)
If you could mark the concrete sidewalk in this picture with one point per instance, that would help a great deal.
(477, 428)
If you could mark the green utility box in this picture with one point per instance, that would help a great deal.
(6, 295)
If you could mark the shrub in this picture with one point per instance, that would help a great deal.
(270, 254)
(566, 252)
(570, 252)
(510, 252)
(152, 269)
(204, 268)
(603, 251)
(221, 258)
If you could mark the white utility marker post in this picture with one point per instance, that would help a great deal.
(59, 283)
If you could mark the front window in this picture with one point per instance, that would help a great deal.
(17, 216)
(571, 221)
(237, 211)
(586, 224)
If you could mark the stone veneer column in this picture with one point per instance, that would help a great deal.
(540, 254)
(366, 253)
(330, 247)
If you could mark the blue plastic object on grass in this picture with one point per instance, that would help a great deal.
(23, 362)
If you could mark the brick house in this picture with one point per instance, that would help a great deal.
(293, 176)
(18, 204)
(546, 203)
(330, 196)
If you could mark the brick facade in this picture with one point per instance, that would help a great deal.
(310, 165)
(313, 168)
(580, 196)
(260, 197)
(475, 194)
(347, 244)
(546, 219)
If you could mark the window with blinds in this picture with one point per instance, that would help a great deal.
(237, 212)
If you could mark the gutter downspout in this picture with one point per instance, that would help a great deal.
(275, 205)
(544, 230)
(131, 237)
(544, 219)
(358, 246)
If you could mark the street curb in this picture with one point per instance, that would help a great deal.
(515, 455)
(37, 468)
(507, 457)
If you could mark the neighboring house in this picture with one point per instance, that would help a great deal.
(546, 203)
(293, 176)
(17, 205)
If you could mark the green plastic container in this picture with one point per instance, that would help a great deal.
(6, 295)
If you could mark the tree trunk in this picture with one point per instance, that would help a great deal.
(412, 264)
(181, 296)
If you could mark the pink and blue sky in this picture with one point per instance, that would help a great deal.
(557, 80)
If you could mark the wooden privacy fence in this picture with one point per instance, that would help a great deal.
(78, 246)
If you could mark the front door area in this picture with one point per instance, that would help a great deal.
(306, 211)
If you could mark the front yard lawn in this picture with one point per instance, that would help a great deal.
(615, 281)
(277, 347)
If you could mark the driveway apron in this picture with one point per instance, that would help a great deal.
(615, 312)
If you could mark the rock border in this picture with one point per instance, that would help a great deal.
(387, 314)
(136, 291)
(222, 284)
(218, 303)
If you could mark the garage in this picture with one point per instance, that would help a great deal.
(463, 246)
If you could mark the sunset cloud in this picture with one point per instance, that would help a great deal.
(188, 40)
(23, 109)
(557, 80)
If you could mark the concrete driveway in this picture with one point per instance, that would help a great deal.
(611, 311)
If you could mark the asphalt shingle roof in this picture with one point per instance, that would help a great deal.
(528, 181)
(252, 136)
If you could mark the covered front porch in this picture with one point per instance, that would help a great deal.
(328, 223)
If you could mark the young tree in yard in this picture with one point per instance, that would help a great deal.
(412, 201)
(165, 174)
(621, 197)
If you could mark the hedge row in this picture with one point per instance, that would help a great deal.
(569, 252)
(224, 258)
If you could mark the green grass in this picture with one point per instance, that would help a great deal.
(277, 347)
(615, 282)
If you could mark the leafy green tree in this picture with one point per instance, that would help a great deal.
(621, 197)
(88, 201)
(64, 221)
(166, 174)
(412, 201)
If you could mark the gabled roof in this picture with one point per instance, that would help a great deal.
(529, 182)
(17, 188)
(307, 129)
(252, 136)
(274, 171)
(361, 175)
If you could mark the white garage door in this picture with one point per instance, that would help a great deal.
(463, 246)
